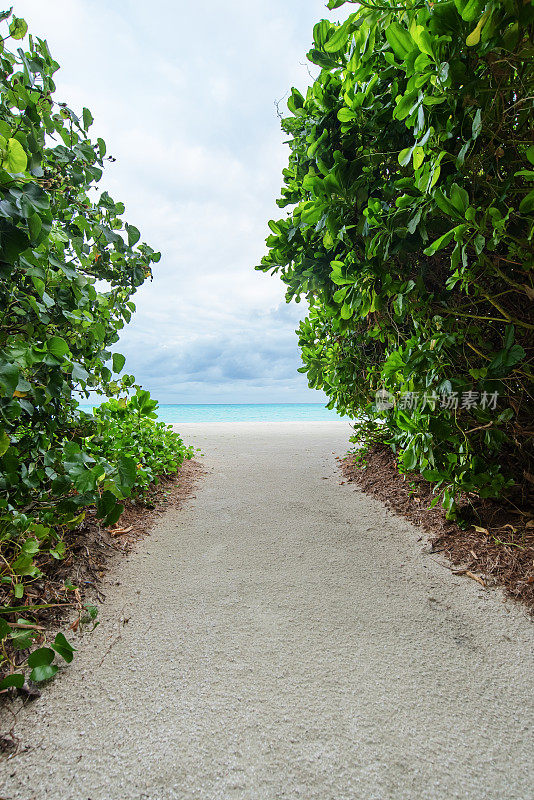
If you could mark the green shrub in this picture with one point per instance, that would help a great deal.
(69, 266)
(130, 440)
(410, 182)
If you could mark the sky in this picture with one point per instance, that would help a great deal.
(184, 95)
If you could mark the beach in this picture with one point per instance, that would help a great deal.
(284, 636)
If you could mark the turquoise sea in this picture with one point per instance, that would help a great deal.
(243, 412)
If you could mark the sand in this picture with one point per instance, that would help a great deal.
(287, 637)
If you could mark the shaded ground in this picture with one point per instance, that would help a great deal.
(495, 545)
(282, 637)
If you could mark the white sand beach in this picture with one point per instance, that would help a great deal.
(287, 637)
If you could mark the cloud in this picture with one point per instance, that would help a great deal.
(184, 96)
(252, 353)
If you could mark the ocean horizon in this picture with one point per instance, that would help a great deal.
(171, 413)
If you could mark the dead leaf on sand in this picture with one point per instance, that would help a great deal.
(476, 578)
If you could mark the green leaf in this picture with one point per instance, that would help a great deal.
(459, 198)
(414, 221)
(41, 656)
(41, 662)
(58, 552)
(340, 38)
(507, 358)
(127, 468)
(22, 639)
(18, 28)
(23, 385)
(409, 459)
(5, 629)
(296, 100)
(404, 106)
(432, 475)
(474, 37)
(526, 206)
(312, 212)
(398, 305)
(514, 355)
(92, 611)
(36, 198)
(418, 157)
(133, 235)
(345, 115)
(479, 242)
(446, 205)
(405, 156)
(57, 346)
(5, 442)
(35, 226)
(477, 124)
(509, 336)
(393, 363)
(9, 378)
(63, 648)
(114, 515)
(422, 39)
(15, 159)
(443, 241)
(87, 118)
(469, 10)
(86, 480)
(108, 509)
(399, 40)
(43, 673)
(79, 373)
(118, 362)
(320, 35)
(16, 680)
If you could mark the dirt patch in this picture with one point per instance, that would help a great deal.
(91, 552)
(493, 544)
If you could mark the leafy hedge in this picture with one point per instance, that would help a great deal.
(69, 266)
(410, 183)
(125, 449)
(129, 435)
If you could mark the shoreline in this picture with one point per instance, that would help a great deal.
(265, 422)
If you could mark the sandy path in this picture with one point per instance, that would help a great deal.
(287, 638)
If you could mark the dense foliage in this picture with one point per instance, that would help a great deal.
(129, 435)
(69, 266)
(410, 182)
